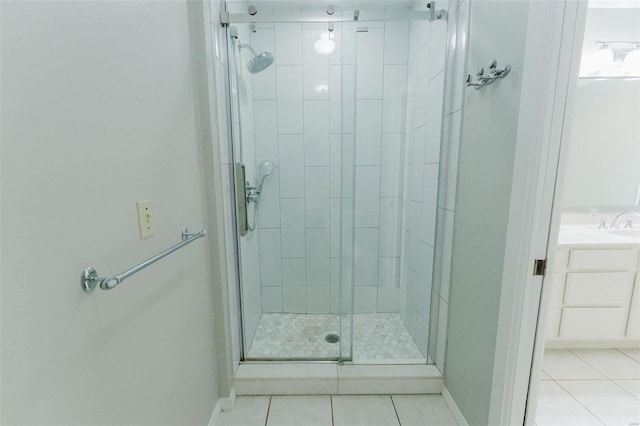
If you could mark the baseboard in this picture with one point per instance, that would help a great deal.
(222, 404)
(457, 414)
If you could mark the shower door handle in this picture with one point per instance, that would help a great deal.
(241, 200)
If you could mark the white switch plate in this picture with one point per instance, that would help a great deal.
(145, 218)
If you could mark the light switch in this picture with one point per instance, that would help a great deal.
(145, 218)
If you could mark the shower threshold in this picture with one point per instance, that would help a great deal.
(279, 378)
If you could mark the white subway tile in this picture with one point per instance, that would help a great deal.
(366, 256)
(292, 225)
(270, 257)
(347, 171)
(434, 119)
(271, 299)
(335, 99)
(424, 32)
(423, 294)
(422, 333)
(368, 132)
(335, 285)
(316, 201)
(391, 167)
(365, 299)
(388, 272)
(316, 67)
(318, 300)
(288, 44)
(422, 82)
(345, 39)
(394, 98)
(336, 164)
(367, 213)
(316, 133)
(412, 70)
(348, 94)
(318, 267)
(266, 130)
(396, 42)
(411, 305)
(429, 204)
(335, 227)
(294, 286)
(291, 152)
(290, 99)
(387, 299)
(390, 227)
(269, 210)
(369, 62)
(438, 47)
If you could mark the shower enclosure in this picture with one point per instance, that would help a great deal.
(336, 118)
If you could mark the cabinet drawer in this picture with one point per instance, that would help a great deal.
(593, 323)
(598, 288)
(603, 259)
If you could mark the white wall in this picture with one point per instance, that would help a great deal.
(485, 170)
(98, 111)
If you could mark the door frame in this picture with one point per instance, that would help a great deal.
(553, 47)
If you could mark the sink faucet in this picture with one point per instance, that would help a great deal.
(614, 223)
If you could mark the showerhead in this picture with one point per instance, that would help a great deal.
(265, 168)
(260, 62)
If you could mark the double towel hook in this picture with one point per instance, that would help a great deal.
(494, 74)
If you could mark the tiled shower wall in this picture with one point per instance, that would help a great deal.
(427, 47)
(302, 131)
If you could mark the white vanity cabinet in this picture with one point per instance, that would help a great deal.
(596, 296)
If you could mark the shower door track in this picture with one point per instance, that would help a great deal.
(269, 16)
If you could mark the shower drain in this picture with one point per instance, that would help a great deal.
(332, 338)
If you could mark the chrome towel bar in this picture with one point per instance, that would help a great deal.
(90, 279)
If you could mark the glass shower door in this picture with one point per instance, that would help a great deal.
(294, 146)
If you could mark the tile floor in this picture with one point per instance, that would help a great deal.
(380, 336)
(325, 410)
(589, 387)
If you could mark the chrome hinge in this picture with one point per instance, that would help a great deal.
(224, 18)
(539, 266)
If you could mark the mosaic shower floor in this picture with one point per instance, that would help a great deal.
(376, 337)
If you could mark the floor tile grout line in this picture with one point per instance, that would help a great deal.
(624, 389)
(395, 409)
(333, 422)
(266, 420)
(627, 355)
(589, 364)
(581, 404)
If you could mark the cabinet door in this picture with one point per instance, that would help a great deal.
(633, 326)
(593, 323)
(598, 288)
